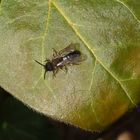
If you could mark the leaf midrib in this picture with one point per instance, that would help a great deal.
(119, 1)
(89, 48)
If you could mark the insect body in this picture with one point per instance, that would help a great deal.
(68, 56)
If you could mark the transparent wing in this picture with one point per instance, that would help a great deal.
(70, 48)
(79, 59)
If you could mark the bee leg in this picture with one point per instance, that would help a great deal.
(47, 60)
(61, 68)
(74, 63)
(45, 74)
(66, 69)
(55, 72)
(55, 53)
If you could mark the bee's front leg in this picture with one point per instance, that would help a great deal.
(55, 53)
(66, 69)
(47, 60)
(45, 74)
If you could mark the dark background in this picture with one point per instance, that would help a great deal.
(19, 122)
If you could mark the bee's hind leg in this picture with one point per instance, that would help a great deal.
(75, 63)
(66, 69)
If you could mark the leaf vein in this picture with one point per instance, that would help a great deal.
(43, 46)
(92, 51)
(93, 110)
(92, 75)
(37, 82)
(124, 80)
(119, 1)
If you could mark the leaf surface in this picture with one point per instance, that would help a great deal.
(91, 95)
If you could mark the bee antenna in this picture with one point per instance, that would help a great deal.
(39, 63)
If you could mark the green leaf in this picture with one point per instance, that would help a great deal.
(91, 95)
(133, 7)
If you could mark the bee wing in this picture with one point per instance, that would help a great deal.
(77, 60)
(71, 48)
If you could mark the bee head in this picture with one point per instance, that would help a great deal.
(49, 66)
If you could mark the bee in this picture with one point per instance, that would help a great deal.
(71, 55)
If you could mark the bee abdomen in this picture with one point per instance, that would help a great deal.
(72, 55)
